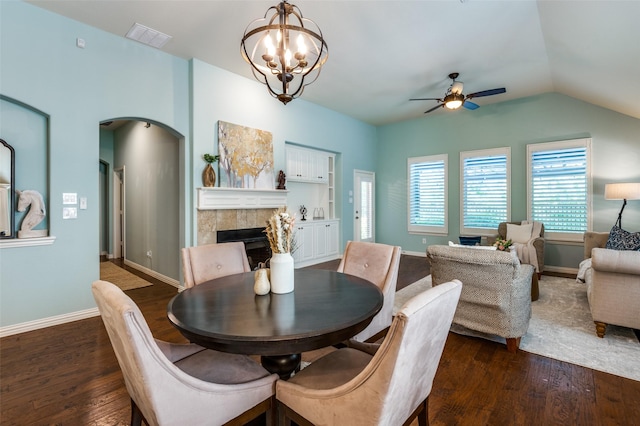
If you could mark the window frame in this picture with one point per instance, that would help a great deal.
(561, 145)
(427, 229)
(491, 152)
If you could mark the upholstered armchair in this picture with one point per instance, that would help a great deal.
(535, 241)
(613, 283)
(379, 264)
(496, 289)
(368, 384)
(210, 261)
(180, 384)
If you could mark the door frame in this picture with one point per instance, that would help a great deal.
(119, 205)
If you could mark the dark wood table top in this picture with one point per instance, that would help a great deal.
(325, 308)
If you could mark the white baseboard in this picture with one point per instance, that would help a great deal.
(415, 253)
(48, 322)
(154, 274)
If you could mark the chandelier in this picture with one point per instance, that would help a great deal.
(284, 50)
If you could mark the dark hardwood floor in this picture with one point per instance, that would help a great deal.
(68, 375)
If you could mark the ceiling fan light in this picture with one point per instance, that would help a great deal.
(454, 100)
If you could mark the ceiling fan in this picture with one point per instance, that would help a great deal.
(454, 98)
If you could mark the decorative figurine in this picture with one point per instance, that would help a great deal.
(281, 180)
(303, 212)
(33, 200)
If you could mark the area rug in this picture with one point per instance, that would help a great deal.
(121, 277)
(561, 328)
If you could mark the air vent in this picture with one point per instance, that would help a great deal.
(148, 36)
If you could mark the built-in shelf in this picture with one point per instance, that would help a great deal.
(239, 198)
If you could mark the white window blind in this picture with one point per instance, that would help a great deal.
(559, 187)
(485, 190)
(428, 194)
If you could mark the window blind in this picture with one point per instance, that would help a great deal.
(484, 193)
(559, 189)
(427, 192)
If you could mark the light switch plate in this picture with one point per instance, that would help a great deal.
(69, 198)
(83, 203)
(69, 213)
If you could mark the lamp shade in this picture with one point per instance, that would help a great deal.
(622, 191)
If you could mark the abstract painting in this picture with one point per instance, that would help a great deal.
(246, 157)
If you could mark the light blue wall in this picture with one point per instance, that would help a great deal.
(549, 117)
(117, 78)
(77, 88)
(228, 97)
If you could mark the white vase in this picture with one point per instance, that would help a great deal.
(281, 273)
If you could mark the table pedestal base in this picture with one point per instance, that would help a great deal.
(283, 365)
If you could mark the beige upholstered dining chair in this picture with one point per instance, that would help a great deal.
(204, 263)
(379, 264)
(370, 384)
(172, 384)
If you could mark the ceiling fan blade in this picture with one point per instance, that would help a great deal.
(470, 105)
(487, 93)
(426, 99)
(434, 108)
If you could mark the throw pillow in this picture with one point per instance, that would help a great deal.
(619, 239)
(519, 233)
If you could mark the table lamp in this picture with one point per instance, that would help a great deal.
(622, 191)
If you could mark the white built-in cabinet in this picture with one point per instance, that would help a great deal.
(316, 241)
(307, 165)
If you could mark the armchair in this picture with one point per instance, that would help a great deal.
(496, 290)
(536, 241)
(613, 283)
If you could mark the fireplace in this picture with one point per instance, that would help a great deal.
(255, 242)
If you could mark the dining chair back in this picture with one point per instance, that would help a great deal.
(379, 264)
(210, 261)
(370, 384)
(171, 384)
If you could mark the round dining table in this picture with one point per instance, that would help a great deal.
(325, 308)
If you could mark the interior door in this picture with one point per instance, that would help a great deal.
(364, 206)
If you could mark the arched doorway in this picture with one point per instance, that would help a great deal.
(145, 193)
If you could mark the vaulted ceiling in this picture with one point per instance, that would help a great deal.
(381, 53)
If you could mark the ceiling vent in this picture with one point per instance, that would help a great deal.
(148, 36)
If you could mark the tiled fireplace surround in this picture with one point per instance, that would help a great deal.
(211, 221)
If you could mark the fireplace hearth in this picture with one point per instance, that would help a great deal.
(255, 242)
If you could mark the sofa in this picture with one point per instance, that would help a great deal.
(496, 289)
(613, 283)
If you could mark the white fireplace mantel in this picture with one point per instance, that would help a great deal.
(240, 198)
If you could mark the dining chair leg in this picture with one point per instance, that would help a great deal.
(136, 414)
(423, 417)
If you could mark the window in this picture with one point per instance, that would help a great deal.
(428, 194)
(559, 188)
(485, 190)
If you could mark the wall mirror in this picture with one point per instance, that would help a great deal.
(7, 190)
